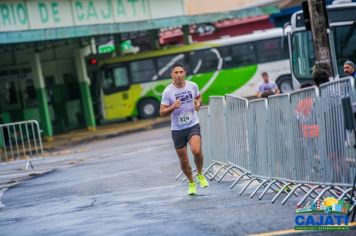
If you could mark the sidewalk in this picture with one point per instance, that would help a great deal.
(76, 137)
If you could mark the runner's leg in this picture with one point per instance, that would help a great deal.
(184, 163)
(195, 147)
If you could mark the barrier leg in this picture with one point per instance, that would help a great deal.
(248, 184)
(217, 172)
(344, 193)
(209, 167)
(180, 174)
(266, 189)
(308, 194)
(291, 192)
(280, 192)
(225, 173)
(322, 193)
(259, 186)
(29, 164)
(238, 179)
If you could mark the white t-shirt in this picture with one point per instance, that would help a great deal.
(185, 116)
(266, 87)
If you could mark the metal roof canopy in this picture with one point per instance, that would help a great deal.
(114, 28)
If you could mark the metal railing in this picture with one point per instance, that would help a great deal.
(291, 143)
(20, 140)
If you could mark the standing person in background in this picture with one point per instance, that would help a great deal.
(181, 100)
(321, 77)
(266, 87)
(349, 69)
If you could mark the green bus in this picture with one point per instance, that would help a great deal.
(132, 85)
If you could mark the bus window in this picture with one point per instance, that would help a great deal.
(243, 54)
(143, 71)
(226, 56)
(345, 45)
(270, 50)
(115, 78)
(164, 64)
(204, 60)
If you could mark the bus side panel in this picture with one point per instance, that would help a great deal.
(122, 104)
(155, 90)
(229, 80)
(249, 88)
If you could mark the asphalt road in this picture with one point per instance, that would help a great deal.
(126, 186)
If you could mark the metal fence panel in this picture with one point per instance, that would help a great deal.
(218, 128)
(257, 136)
(308, 145)
(301, 136)
(236, 131)
(19, 140)
(280, 141)
(204, 121)
(339, 160)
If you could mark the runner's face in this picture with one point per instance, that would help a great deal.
(178, 75)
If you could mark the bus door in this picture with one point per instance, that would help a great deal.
(116, 92)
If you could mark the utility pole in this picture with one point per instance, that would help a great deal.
(319, 25)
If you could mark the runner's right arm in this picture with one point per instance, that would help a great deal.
(166, 110)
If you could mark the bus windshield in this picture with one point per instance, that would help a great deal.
(342, 22)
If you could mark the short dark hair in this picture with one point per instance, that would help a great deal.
(264, 73)
(306, 85)
(320, 77)
(177, 64)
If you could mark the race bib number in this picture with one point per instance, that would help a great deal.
(185, 118)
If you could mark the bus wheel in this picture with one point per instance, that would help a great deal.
(285, 84)
(148, 108)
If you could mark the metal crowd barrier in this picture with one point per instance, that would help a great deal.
(20, 140)
(291, 144)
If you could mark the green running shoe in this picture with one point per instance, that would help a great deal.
(203, 182)
(192, 190)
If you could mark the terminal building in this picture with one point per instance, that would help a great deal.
(45, 47)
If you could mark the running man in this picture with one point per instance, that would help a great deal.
(181, 99)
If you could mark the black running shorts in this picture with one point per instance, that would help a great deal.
(181, 137)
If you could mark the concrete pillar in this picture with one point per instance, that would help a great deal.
(84, 83)
(41, 96)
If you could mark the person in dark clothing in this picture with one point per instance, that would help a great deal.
(320, 77)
